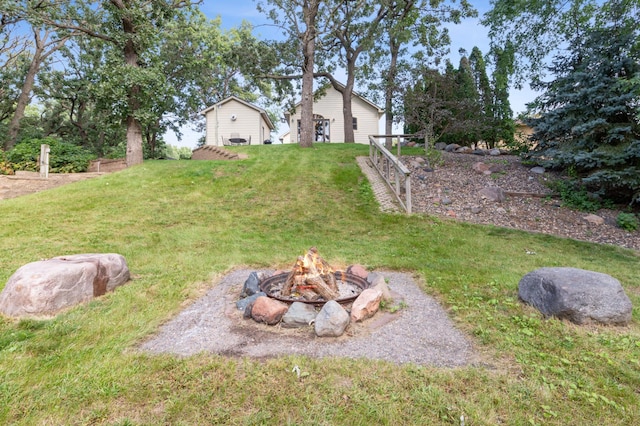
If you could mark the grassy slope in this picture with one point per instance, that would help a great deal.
(182, 224)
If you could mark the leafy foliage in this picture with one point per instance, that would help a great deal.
(575, 195)
(627, 221)
(64, 157)
(462, 105)
(586, 120)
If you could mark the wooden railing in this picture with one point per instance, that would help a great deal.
(396, 175)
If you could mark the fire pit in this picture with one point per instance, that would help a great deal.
(313, 281)
(349, 287)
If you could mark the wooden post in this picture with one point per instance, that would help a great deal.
(44, 161)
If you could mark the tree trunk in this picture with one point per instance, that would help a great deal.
(134, 154)
(25, 93)
(390, 91)
(347, 112)
(308, 40)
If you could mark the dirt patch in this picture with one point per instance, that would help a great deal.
(27, 183)
(420, 333)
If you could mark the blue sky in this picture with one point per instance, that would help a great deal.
(465, 35)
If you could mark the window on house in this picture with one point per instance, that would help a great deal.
(355, 123)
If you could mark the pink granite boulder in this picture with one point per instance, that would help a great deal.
(44, 288)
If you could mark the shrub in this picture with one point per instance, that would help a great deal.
(63, 157)
(627, 221)
(5, 165)
(575, 196)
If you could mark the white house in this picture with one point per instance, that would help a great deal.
(233, 121)
(329, 121)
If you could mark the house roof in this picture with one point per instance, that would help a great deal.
(365, 100)
(262, 112)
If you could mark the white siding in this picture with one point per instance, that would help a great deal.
(249, 122)
(330, 107)
(246, 124)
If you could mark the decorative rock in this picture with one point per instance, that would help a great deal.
(495, 168)
(537, 170)
(480, 168)
(248, 302)
(366, 305)
(378, 282)
(420, 160)
(452, 147)
(501, 210)
(358, 270)
(593, 219)
(299, 315)
(476, 209)
(479, 152)
(464, 150)
(440, 146)
(575, 294)
(493, 193)
(268, 311)
(251, 285)
(332, 320)
(446, 201)
(42, 289)
(451, 213)
(494, 152)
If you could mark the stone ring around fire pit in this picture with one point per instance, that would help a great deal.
(293, 297)
(349, 287)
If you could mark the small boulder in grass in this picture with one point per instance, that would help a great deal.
(46, 287)
(268, 310)
(577, 295)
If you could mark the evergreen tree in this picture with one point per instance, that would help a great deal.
(587, 118)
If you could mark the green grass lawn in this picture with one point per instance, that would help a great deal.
(182, 224)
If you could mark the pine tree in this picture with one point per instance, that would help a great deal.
(588, 123)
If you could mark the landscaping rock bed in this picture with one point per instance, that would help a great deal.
(458, 188)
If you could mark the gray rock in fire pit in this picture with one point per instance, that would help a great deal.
(299, 315)
(332, 320)
(251, 285)
(247, 302)
(577, 295)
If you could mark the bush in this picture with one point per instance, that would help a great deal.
(63, 157)
(5, 166)
(575, 196)
(627, 221)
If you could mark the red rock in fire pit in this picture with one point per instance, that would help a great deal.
(268, 310)
(366, 305)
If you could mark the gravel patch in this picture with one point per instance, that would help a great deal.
(419, 333)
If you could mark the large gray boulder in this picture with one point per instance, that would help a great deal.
(44, 288)
(578, 295)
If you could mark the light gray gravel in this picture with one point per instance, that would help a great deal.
(420, 333)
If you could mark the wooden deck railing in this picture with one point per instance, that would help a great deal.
(395, 174)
